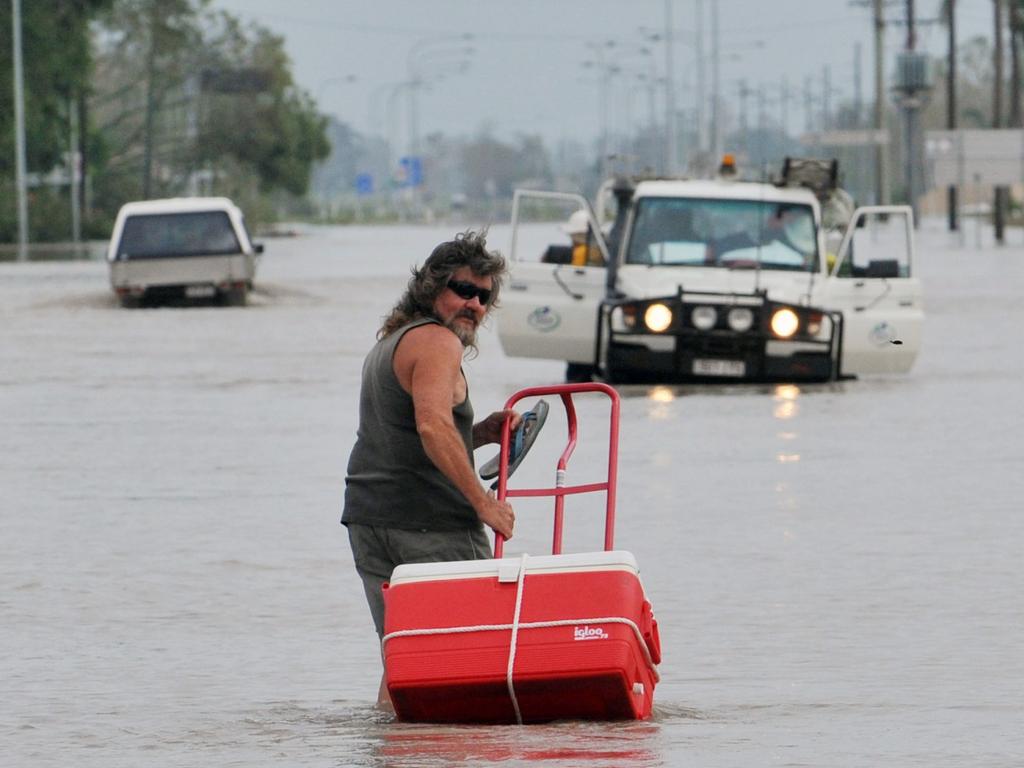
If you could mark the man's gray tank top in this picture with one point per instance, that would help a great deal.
(391, 482)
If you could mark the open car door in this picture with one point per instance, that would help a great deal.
(550, 309)
(873, 285)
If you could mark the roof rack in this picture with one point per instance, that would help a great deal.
(820, 176)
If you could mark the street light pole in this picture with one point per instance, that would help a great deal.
(19, 133)
(716, 131)
(881, 162)
(419, 50)
(701, 87)
(952, 191)
(671, 160)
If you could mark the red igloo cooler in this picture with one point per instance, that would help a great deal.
(525, 639)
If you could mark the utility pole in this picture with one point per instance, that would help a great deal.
(999, 220)
(19, 133)
(881, 150)
(910, 125)
(73, 171)
(744, 125)
(716, 130)
(808, 105)
(826, 96)
(912, 87)
(671, 160)
(952, 192)
(857, 95)
(698, 45)
(147, 157)
(1015, 19)
(784, 105)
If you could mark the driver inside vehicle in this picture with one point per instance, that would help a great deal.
(793, 228)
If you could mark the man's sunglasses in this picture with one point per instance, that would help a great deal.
(467, 291)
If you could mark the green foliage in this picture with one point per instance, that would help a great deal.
(275, 130)
(192, 102)
(55, 67)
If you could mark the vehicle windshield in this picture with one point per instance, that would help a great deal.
(733, 234)
(202, 233)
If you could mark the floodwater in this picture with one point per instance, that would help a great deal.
(836, 569)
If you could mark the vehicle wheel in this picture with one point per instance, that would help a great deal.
(615, 375)
(131, 302)
(576, 373)
(235, 297)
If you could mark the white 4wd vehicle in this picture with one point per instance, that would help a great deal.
(724, 280)
(192, 247)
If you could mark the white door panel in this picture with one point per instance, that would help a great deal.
(882, 322)
(550, 311)
(873, 286)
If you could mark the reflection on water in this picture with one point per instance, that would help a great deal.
(662, 394)
(786, 408)
(571, 743)
(665, 392)
(786, 401)
(661, 399)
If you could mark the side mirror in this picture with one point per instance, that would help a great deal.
(257, 247)
(883, 268)
(557, 254)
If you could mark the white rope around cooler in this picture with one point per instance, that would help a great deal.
(515, 636)
(516, 625)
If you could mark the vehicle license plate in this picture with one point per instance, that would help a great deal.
(199, 291)
(719, 367)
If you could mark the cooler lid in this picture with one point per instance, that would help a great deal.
(616, 560)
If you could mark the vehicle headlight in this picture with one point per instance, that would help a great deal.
(657, 317)
(740, 319)
(704, 318)
(785, 323)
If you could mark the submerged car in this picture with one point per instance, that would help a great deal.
(182, 248)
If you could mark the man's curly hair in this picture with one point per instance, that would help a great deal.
(468, 249)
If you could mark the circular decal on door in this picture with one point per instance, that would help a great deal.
(544, 319)
(882, 334)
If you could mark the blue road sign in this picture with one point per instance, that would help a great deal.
(410, 171)
(364, 184)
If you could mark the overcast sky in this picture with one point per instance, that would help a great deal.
(529, 72)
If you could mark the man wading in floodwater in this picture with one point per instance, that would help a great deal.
(411, 492)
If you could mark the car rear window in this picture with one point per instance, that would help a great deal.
(202, 233)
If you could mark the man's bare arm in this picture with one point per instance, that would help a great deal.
(428, 364)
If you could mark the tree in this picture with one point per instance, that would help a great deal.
(57, 66)
(493, 168)
(189, 101)
(147, 54)
(260, 117)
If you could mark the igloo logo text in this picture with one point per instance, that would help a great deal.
(589, 633)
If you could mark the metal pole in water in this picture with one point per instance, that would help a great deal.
(74, 159)
(19, 134)
(670, 104)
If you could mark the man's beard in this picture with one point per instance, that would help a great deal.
(466, 335)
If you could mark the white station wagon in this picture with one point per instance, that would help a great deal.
(182, 248)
